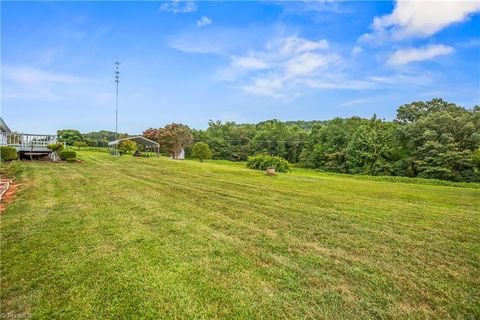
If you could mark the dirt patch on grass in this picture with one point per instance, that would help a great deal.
(8, 196)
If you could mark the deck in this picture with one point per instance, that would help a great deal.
(24, 142)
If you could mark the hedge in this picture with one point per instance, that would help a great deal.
(67, 154)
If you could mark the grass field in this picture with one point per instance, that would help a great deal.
(156, 238)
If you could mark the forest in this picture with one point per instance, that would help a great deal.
(433, 139)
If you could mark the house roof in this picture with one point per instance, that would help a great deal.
(137, 139)
(3, 126)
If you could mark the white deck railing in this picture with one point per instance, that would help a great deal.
(27, 142)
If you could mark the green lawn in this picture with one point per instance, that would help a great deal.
(156, 238)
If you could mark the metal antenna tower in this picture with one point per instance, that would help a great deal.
(117, 79)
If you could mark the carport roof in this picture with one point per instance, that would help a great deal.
(137, 139)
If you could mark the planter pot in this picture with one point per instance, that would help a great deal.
(271, 171)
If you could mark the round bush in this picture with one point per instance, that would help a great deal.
(8, 153)
(263, 161)
(201, 151)
(71, 160)
(67, 154)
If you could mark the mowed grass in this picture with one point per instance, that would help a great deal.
(153, 238)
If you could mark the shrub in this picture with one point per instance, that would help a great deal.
(127, 146)
(263, 161)
(201, 151)
(12, 169)
(71, 160)
(68, 154)
(8, 153)
(55, 147)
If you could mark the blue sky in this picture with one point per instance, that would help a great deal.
(189, 62)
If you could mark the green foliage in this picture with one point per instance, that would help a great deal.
(55, 147)
(8, 153)
(67, 154)
(101, 138)
(443, 142)
(371, 149)
(433, 139)
(476, 159)
(11, 169)
(201, 151)
(229, 141)
(71, 160)
(80, 144)
(127, 146)
(69, 136)
(326, 146)
(263, 161)
(277, 138)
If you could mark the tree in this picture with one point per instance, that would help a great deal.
(326, 145)
(228, 140)
(127, 146)
(201, 151)
(174, 137)
(101, 138)
(476, 159)
(412, 112)
(442, 142)
(371, 150)
(69, 136)
(275, 137)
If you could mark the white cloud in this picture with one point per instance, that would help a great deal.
(249, 63)
(178, 6)
(266, 86)
(405, 56)
(357, 50)
(309, 62)
(280, 70)
(286, 65)
(420, 19)
(204, 21)
(27, 83)
(30, 76)
(335, 81)
(297, 45)
(355, 102)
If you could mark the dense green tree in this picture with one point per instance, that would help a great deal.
(102, 138)
(371, 149)
(443, 141)
(326, 145)
(227, 140)
(277, 138)
(69, 136)
(201, 151)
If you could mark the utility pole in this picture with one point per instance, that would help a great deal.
(117, 77)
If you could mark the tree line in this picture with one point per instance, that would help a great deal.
(433, 139)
